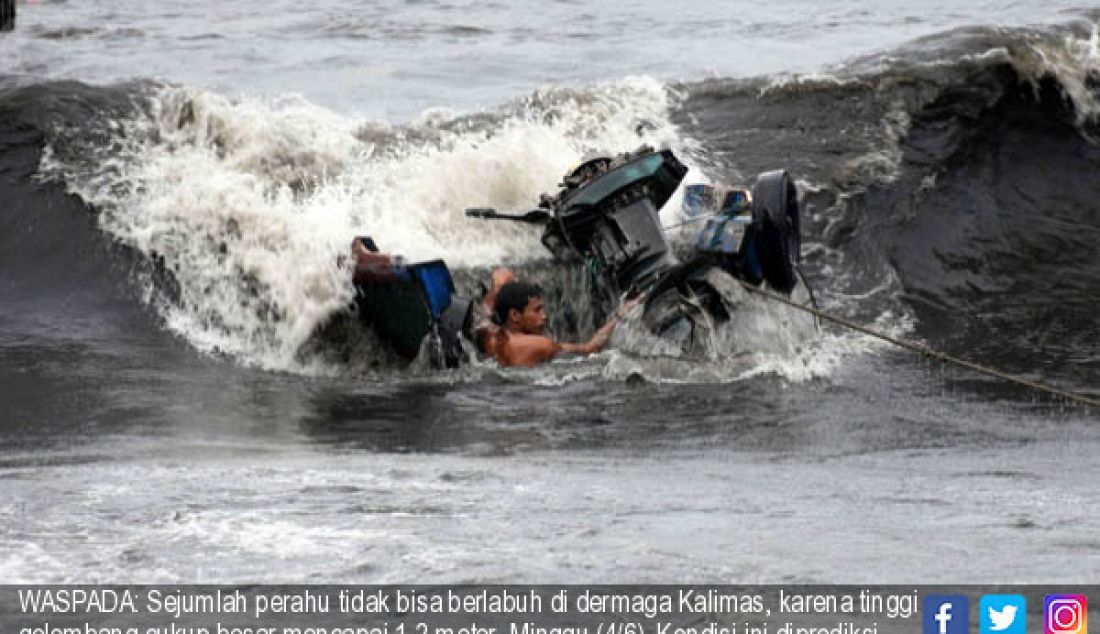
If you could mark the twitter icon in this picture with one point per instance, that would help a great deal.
(1002, 614)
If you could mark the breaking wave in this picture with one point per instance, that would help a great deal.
(948, 185)
(246, 207)
(951, 181)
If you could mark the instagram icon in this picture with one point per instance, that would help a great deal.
(1065, 614)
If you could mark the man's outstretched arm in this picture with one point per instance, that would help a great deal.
(603, 335)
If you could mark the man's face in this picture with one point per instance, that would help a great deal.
(532, 320)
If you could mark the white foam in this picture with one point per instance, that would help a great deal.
(763, 336)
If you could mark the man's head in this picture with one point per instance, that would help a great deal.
(519, 307)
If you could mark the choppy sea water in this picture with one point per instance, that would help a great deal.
(177, 187)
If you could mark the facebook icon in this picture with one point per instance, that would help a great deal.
(946, 614)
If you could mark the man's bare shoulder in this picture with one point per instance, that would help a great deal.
(527, 350)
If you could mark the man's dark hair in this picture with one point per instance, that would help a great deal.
(514, 295)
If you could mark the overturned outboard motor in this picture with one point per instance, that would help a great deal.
(611, 219)
(606, 213)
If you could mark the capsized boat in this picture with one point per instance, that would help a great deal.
(606, 215)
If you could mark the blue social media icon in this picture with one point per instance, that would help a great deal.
(946, 614)
(1002, 614)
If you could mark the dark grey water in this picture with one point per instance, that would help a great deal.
(168, 249)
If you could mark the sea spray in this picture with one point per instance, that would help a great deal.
(249, 205)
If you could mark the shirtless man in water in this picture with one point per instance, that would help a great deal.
(484, 326)
(517, 336)
(520, 341)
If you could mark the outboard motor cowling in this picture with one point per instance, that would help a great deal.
(612, 219)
